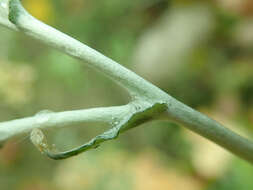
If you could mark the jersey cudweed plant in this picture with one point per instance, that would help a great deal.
(147, 100)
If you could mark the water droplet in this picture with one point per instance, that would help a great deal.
(38, 139)
(116, 123)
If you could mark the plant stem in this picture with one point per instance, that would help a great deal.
(47, 119)
(211, 129)
(136, 86)
(146, 93)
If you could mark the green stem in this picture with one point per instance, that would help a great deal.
(48, 119)
(136, 86)
(141, 91)
(211, 129)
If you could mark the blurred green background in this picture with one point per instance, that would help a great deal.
(198, 51)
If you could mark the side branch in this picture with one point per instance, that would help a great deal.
(148, 99)
(47, 119)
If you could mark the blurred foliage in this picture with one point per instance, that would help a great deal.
(40, 9)
(199, 52)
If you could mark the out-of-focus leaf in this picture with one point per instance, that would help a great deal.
(41, 9)
(16, 82)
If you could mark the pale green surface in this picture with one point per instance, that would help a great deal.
(139, 89)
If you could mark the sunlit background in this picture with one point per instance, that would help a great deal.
(200, 52)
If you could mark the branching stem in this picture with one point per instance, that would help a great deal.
(147, 99)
